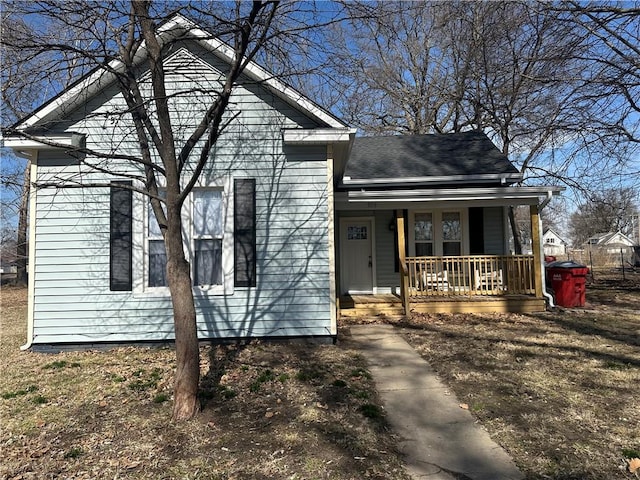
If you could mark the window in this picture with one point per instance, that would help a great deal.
(207, 218)
(157, 253)
(206, 215)
(423, 228)
(451, 233)
(207, 236)
(357, 233)
(438, 232)
(551, 240)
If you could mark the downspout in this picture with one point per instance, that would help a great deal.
(546, 294)
(32, 252)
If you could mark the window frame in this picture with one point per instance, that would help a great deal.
(437, 215)
(194, 237)
(141, 248)
(431, 242)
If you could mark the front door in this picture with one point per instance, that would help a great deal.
(356, 255)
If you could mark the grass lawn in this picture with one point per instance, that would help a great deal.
(285, 411)
(560, 391)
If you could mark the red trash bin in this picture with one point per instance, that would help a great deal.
(569, 283)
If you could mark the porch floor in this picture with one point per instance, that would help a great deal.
(390, 304)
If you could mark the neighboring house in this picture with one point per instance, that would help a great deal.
(294, 214)
(612, 248)
(610, 242)
(552, 243)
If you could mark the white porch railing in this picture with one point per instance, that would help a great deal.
(470, 275)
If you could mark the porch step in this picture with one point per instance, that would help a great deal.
(367, 310)
(367, 305)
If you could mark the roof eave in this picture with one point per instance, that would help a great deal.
(502, 178)
(317, 136)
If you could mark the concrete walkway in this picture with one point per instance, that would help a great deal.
(440, 440)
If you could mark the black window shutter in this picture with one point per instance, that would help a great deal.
(121, 237)
(244, 224)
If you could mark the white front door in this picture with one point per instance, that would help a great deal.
(356, 239)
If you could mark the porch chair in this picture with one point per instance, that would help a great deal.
(434, 280)
(489, 277)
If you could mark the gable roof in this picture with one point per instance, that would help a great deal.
(551, 231)
(608, 239)
(439, 158)
(176, 27)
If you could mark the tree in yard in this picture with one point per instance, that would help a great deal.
(120, 40)
(498, 67)
(555, 85)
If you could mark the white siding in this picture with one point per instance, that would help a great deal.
(72, 300)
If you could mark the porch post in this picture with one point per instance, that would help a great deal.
(535, 245)
(404, 280)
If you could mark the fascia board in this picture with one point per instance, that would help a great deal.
(74, 96)
(526, 195)
(44, 142)
(319, 136)
(486, 177)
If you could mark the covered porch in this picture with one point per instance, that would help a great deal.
(472, 283)
(425, 221)
(462, 283)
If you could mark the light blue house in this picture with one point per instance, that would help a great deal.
(294, 222)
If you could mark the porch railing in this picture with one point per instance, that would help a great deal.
(470, 275)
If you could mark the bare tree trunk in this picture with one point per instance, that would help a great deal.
(517, 244)
(23, 220)
(187, 378)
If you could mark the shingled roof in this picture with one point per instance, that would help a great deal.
(420, 156)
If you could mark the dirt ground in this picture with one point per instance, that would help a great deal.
(560, 391)
(290, 411)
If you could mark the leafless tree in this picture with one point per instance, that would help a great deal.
(547, 82)
(612, 210)
(109, 36)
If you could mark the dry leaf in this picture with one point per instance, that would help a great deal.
(131, 464)
(464, 406)
(634, 465)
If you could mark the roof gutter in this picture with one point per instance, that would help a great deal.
(546, 201)
(26, 146)
(467, 194)
(317, 136)
(503, 178)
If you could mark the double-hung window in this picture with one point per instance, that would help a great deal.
(438, 232)
(451, 233)
(423, 229)
(204, 216)
(219, 239)
(157, 260)
(207, 234)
